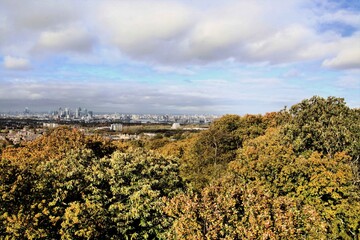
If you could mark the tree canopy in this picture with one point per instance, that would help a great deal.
(76, 192)
(292, 174)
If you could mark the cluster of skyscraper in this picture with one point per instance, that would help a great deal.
(82, 114)
(67, 113)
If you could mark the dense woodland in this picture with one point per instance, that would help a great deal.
(292, 174)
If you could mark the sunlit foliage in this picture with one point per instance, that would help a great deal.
(76, 192)
(291, 174)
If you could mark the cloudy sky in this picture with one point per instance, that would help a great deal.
(177, 56)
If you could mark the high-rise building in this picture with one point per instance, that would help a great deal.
(78, 112)
(90, 114)
(67, 113)
(61, 112)
(26, 111)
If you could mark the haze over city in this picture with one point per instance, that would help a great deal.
(177, 56)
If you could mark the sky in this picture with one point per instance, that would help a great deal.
(177, 56)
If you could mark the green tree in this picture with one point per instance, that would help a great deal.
(56, 144)
(324, 125)
(215, 148)
(270, 192)
(74, 193)
(229, 209)
(327, 126)
(35, 195)
(321, 182)
(3, 144)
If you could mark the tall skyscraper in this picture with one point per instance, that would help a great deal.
(78, 112)
(61, 112)
(26, 111)
(67, 113)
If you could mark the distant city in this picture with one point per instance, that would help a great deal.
(79, 114)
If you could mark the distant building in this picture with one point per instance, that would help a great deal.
(61, 112)
(175, 126)
(78, 112)
(50, 125)
(116, 127)
(26, 111)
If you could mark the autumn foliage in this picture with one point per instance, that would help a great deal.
(293, 174)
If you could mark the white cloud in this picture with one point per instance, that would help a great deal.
(3, 28)
(16, 63)
(170, 69)
(177, 32)
(39, 15)
(138, 26)
(172, 33)
(72, 38)
(283, 45)
(342, 16)
(220, 32)
(25, 20)
(346, 59)
(346, 54)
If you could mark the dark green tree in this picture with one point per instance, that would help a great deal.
(324, 125)
(215, 148)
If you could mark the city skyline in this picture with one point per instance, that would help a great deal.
(177, 56)
(73, 110)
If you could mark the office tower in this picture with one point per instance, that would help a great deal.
(78, 112)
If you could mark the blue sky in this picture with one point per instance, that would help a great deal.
(177, 56)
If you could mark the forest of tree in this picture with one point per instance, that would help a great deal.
(292, 174)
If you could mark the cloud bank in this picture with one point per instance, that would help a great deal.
(177, 32)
